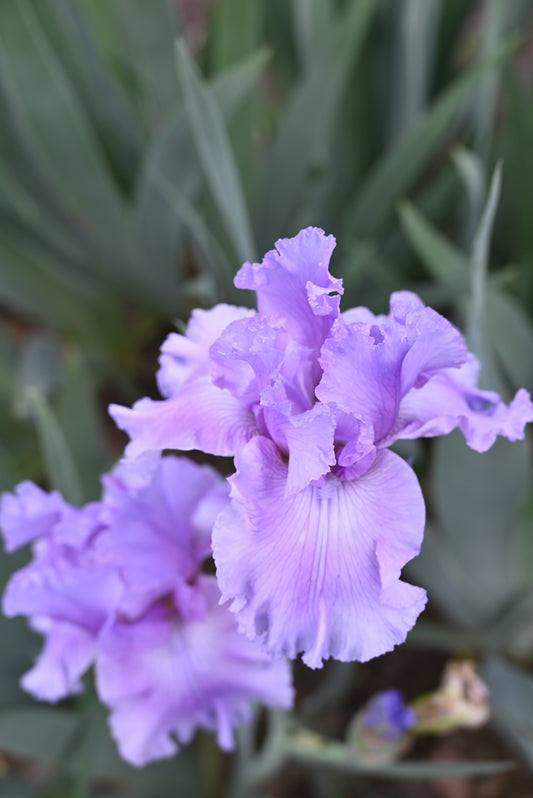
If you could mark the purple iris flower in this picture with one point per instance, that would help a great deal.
(323, 516)
(172, 659)
(118, 583)
(68, 590)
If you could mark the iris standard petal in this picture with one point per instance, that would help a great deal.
(247, 356)
(362, 375)
(317, 572)
(368, 368)
(433, 344)
(293, 283)
(185, 357)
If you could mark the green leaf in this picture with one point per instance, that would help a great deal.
(215, 155)
(19, 650)
(19, 643)
(507, 327)
(58, 460)
(81, 420)
(477, 317)
(442, 570)
(444, 261)
(37, 733)
(233, 85)
(107, 106)
(477, 500)
(510, 332)
(430, 635)
(168, 171)
(511, 699)
(8, 363)
(514, 145)
(472, 174)
(305, 130)
(401, 165)
(414, 34)
(337, 681)
(233, 28)
(13, 787)
(143, 36)
(310, 21)
(24, 219)
(7, 477)
(33, 286)
(493, 33)
(210, 253)
(168, 185)
(40, 367)
(28, 175)
(56, 162)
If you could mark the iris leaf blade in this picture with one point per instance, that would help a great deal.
(309, 117)
(215, 155)
(168, 186)
(38, 69)
(400, 166)
(511, 699)
(59, 462)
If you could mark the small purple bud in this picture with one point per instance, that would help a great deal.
(387, 716)
(378, 734)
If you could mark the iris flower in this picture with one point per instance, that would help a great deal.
(119, 584)
(323, 515)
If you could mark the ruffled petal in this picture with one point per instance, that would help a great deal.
(78, 525)
(201, 416)
(67, 654)
(451, 399)
(29, 513)
(65, 586)
(318, 572)
(369, 367)
(129, 474)
(163, 678)
(432, 343)
(358, 454)
(185, 357)
(246, 357)
(308, 440)
(160, 534)
(362, 375)
(293, 283)
(292, 386)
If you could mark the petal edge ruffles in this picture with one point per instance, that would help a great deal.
(293, 283)
(317, 572)
(201, 416)
(451, 399)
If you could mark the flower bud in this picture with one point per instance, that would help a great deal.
(378, 733)
(461, 701)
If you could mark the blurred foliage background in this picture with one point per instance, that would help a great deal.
(148, 148)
